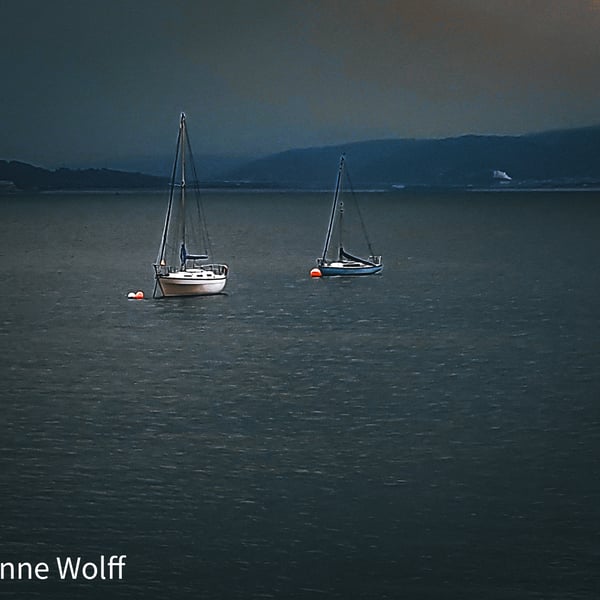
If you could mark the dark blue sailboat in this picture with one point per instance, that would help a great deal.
(344, 263)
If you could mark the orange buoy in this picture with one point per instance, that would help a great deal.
(139, 295)
(315, 272)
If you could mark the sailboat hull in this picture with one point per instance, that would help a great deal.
(343, 269)
(193, 282)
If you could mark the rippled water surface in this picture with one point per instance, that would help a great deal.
(432, 432)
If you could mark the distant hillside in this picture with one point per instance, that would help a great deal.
(569, 157)
(552, 159)
(16, 176)
(210, 167)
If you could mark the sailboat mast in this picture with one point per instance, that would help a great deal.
(334, 205)
(183, 143)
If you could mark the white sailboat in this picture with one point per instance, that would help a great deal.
(183, 266)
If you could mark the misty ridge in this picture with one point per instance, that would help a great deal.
(566, 158)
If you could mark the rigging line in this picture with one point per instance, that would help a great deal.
(336, 193)
(360, 217)
(199, 204)
(161, 253)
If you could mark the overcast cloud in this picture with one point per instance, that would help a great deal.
(95, 81)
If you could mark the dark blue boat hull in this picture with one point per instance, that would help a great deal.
(349, 270)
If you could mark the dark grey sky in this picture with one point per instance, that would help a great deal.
(92, 81)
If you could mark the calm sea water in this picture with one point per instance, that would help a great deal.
(431, 433)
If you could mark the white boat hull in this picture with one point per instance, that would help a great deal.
(193, 282)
